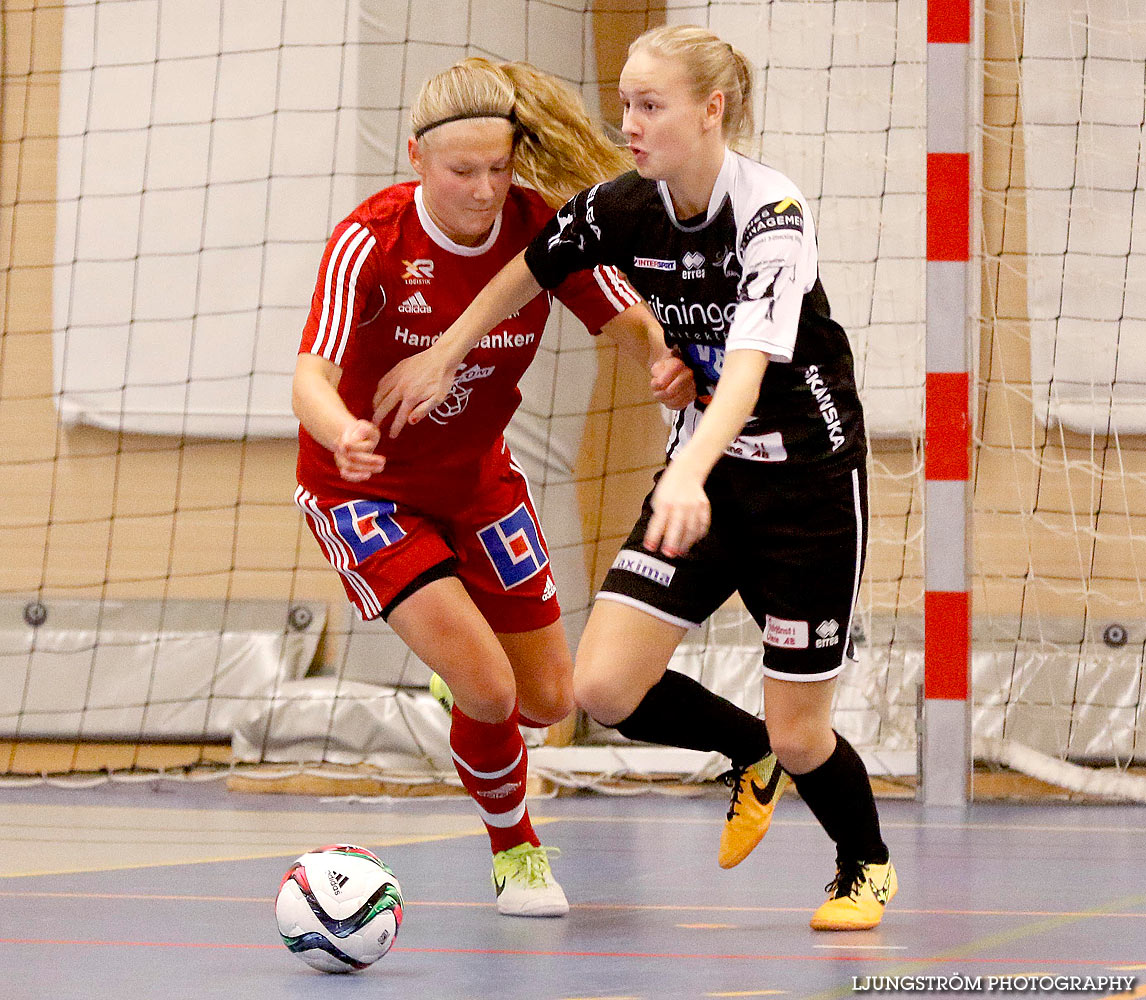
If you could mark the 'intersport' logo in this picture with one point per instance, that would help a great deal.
(654, 263)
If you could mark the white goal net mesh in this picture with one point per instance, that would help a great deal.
(171, 170)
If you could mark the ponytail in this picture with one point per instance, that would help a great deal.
(558, 152)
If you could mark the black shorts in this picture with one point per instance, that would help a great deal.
(791, 544)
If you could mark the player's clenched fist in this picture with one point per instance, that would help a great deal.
(672, 383)
(354, 452)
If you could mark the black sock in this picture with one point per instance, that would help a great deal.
(679, 712)
(839, 794)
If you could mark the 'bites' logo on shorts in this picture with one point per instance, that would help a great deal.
(785, 634)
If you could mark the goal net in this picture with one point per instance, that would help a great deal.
(170, 172)
(1059, 489)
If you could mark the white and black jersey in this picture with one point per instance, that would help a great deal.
(742, 275)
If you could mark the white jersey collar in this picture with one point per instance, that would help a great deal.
(441, 239)
(720, 190)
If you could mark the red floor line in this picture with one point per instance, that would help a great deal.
(673, 907)
(539, 953)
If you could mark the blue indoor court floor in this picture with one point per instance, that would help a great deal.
(165, 890)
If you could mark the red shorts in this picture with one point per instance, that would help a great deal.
(493, 544)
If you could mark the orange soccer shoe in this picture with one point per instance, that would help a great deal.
(755, 791)
(856, 896)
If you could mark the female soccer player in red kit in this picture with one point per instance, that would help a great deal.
(436, 532)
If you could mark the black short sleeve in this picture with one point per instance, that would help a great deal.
(570, 242)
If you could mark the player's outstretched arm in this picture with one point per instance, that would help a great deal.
(418, 384)
(319, 408)
(681, 513)
(638, 334)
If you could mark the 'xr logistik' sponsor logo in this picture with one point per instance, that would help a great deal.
(418, 272)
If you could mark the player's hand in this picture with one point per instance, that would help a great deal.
(416, 385)
(672, 383)
(681, 513)
(354, 452)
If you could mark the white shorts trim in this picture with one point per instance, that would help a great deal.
(827, 675)
(648, 609)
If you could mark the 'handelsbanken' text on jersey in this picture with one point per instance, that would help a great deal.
(390, 283)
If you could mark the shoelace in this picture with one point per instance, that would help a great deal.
(849, 877)
(533, 864)
(732, 778)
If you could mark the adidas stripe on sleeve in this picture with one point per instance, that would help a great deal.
(339, 292)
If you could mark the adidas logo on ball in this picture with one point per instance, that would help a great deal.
(354, 925)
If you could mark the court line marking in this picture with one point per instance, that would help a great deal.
(707, 927)
(222, 859)
(627, 820)
(640, 907)
(967, 951)
(548, 953)
(864, 947)
(892, 825)
(749, 993)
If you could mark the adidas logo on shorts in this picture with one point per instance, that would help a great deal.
(550, 589)
(416, 303)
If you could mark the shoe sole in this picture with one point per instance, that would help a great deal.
(839, 925)
(818, 925)
(548, 911)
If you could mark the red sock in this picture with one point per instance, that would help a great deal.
(491, 761)
(523, 720)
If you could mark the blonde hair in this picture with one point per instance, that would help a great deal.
(711, 64)
(558, 150)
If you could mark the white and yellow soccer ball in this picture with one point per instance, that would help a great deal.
(339, 908)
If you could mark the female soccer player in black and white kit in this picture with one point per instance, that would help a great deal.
(764, 492)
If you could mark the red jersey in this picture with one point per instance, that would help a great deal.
(390, 283)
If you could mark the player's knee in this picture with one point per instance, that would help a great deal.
(490, 701)
(800, 745)
(596, 692)
(550, 706)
